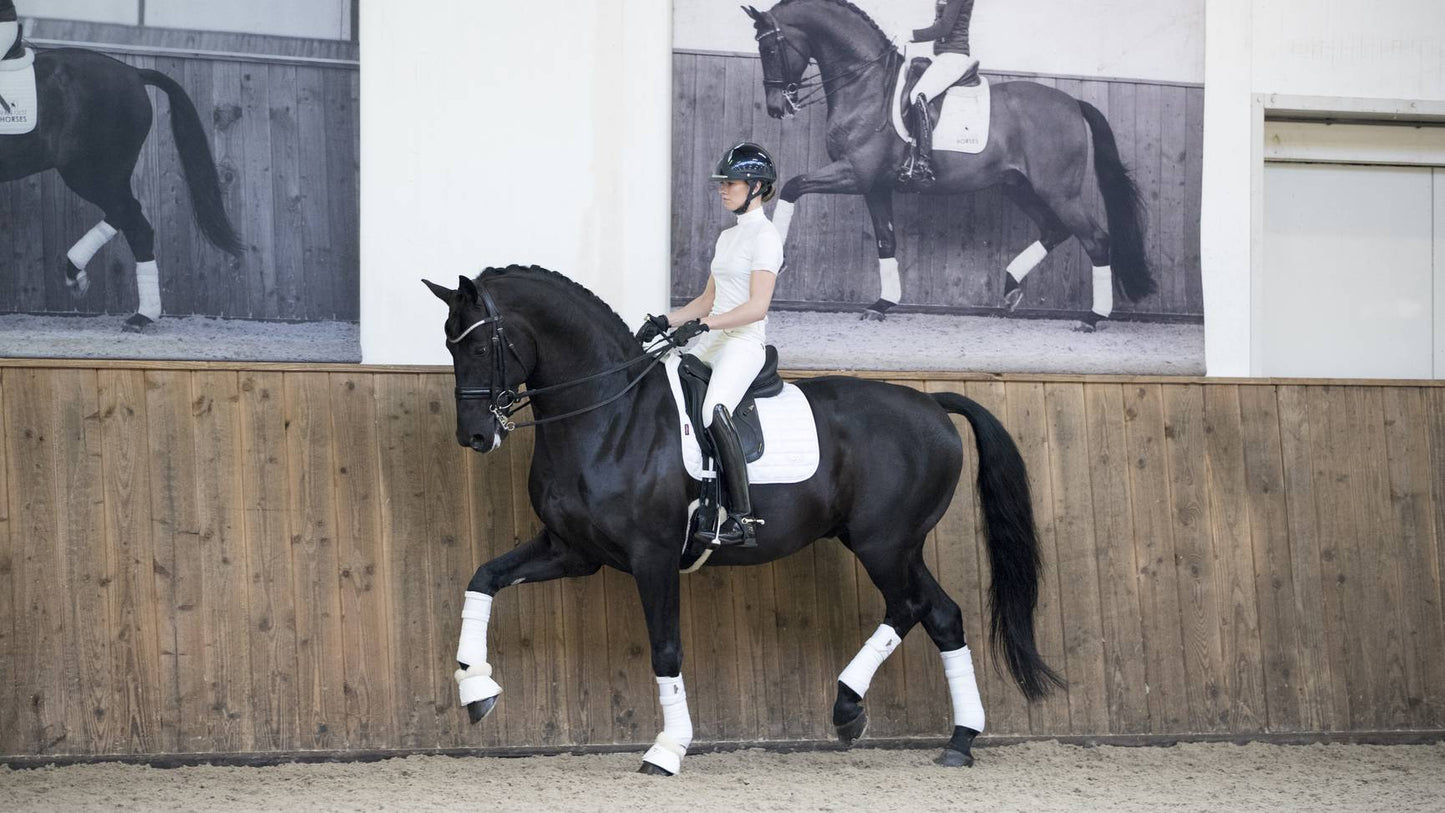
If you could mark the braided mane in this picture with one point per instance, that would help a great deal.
(540, 273)
(877, 29)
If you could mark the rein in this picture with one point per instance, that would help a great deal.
(504, 401)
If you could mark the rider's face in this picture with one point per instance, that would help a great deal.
(733, 193)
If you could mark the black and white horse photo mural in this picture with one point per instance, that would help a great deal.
(1060, 192)
(94, 117)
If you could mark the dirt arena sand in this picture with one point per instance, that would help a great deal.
(178, 337)
(1040, 776)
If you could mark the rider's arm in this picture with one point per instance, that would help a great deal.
(697, 308)
(943, 25)
(760, 296)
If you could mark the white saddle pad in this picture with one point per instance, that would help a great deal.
(17, 95)
(963, 123)
(790, 435)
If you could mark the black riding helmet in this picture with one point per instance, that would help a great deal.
(748, 162)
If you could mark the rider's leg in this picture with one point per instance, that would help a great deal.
(945, 69)
(735, 363)
(9, 27)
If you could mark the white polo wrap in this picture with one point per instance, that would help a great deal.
(475, 681)
(85, 248)
(148, 289)
(1027, 261)
(1103, 290)
(859, 672)
(782, 218)
(889, 287)
(963, 688)
(671, 745)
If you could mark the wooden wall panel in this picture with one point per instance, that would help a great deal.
(233, 559)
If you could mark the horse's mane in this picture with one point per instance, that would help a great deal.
(877, 29)
(540, 273)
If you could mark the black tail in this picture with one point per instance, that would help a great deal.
(1013, 548)
(197, 164)
(1124, 208)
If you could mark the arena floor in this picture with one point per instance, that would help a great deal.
(1040, 776)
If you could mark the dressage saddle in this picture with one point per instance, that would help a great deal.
(916, 68)
(695, 375)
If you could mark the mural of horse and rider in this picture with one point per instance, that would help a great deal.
(227, 164)
(1080, 201)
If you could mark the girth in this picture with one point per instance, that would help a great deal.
(695, 375)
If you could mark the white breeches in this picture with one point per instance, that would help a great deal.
(941, 74)
(735, 362)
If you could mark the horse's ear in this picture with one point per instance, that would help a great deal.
(467, 288)
(750, 11)
(442, 292)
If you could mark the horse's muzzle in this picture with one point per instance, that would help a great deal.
(478, 443)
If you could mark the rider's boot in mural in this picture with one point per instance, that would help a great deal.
(737, 526)
(923, 139)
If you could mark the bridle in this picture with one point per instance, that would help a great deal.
(503, 401)
(821, 86)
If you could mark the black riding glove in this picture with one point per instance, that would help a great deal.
(652, 328)
(688, 331)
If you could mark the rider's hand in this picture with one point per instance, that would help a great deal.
(652, 328)
(688, 331)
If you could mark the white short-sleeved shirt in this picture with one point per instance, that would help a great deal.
(752, 245)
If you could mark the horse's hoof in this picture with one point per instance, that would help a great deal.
(478, 709)
(76, 280)
(852, 731)
(1084, 327)
(137, 323)
(954, 759)
(1012, 299)
(652, 770)
(871, 315)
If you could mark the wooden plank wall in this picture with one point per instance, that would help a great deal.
(253, 559)
(952, 249)
(284, 133)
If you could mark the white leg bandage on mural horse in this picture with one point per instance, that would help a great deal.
(148, 289)
(85, 250)
(1103, 290)
(671, 745)
(1027, 261)
(888, 285)
(782, 218)
(735, 363)
(475, 682)
(859, 671)
(963, 688)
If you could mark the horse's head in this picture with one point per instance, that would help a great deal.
(485, 363)
(785, 52)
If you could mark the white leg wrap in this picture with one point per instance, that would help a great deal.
(85, 248)
(1027, 261)
(963, 688)
(148, 288)
(888, 279)
(475, 682)
(782, 218)
(671, 745)
(1103, 290)
(859, 672)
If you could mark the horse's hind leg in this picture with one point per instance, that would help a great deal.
(944, 623)
(1075, 215)
(1052, 232)
(902, 611)
(112, 193)
(80, 254)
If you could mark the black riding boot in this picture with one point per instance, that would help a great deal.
(923, 143)
(737, 527)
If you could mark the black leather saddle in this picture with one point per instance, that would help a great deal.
(935, 106)
(695, 375)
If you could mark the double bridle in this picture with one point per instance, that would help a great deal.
(503, 401)
(822, 86)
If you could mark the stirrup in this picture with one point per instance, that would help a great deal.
(745, 537)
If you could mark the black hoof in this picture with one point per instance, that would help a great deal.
(652, 770)
(478, 709)
(1090, 323)
(137, 323)
(954, 759)
(76, 280)
(853, 730)
(1012, 299)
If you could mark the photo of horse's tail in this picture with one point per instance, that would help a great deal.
(1013, 548)
(197, 165)
(1124, 208)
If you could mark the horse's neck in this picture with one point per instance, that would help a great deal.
(846, 44)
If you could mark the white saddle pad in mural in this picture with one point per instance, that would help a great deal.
(790, 435)
(963, 125)
(17, 95)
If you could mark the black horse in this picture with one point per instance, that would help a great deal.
(1038, 150)
(94, 116)
(608, 483)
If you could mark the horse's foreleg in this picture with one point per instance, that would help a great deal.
(880, 208)
(836, 178)
(540, 559)
(80, 255)
(658, 588)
